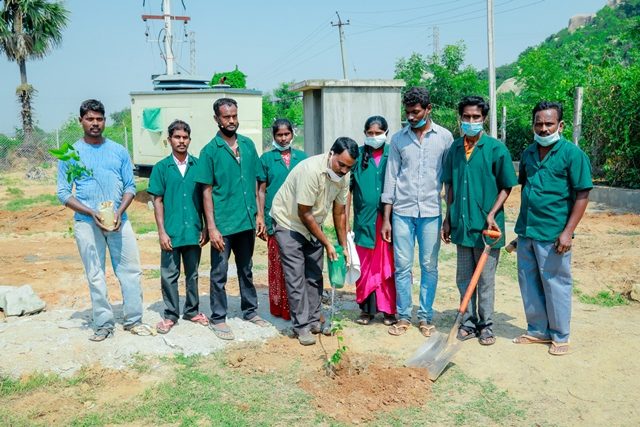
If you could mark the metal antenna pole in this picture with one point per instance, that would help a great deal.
(493, 116)
(192, 51)
(168, 38)
(341, 24)
(436, 40)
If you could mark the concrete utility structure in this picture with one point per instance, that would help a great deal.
(194, 106)
(334, 108)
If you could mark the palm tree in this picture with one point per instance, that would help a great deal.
(29, 29)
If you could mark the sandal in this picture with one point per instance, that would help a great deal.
(364, 319)
(140, 329)
(529, 339)
(389, 319)
(222, 332)
(200, 319)
(259, 321)
(426, 328)
(164, 326)
(101, 335)
(487, 337)
(559, 348)
(399, 328)
(466, 333)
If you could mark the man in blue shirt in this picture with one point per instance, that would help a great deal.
(111, 180)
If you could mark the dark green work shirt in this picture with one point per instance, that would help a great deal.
(273, 171)
(366, 189)
(549, 189)
(233, 183)
(476, 183)
(182, 200)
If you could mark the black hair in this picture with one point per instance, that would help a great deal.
(91, 105)
(417, 95)
(383, 125)
(345, 143)
(178, 125)
(223, 101)
(476, 101)
(547, 105)
(278, 123)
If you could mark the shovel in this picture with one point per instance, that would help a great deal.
(436, 353)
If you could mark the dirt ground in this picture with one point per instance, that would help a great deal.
(596, 384)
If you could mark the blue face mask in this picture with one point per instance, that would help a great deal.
(471, 129)
(546, 141)
(280, 147)
(420, 123)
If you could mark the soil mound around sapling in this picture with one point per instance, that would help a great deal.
(362, 388)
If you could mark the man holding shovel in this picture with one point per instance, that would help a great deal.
(478, 177)
(556, 179)
(317, 184)
(111, 180)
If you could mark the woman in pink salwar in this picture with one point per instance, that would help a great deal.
(375, 290)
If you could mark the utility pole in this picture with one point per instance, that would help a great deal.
(493, 116)
(192, 51)
(577, 115)
(436, 40)
(341, 24)
(168, 38)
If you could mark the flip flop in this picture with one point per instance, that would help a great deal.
(222, 332)
(389, 319)
(200, 319)
(164, 326)
(559, 348)
(141, 329)
(364, 319)
(101, 335)
(400, 328)
(529, 339)
(426, 328)
(259, 321)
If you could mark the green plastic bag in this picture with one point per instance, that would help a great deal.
(337, 268)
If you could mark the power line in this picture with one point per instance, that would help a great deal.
(341, 24)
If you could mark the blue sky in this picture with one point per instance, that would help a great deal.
(105, 54)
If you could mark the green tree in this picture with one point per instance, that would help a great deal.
(411, 70)
(236, 79)
(29, 29)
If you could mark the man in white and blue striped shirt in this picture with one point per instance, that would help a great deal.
(412, 186)
(111, 179)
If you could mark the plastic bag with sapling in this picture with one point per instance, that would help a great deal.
(77, 170)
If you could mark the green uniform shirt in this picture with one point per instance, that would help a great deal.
(549, 189)
(274, 171)
(476, 183)
(182, 199)
(233, 183)
(366, 188)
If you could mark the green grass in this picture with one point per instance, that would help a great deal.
(25, 203)
(206, 391)
(15, 192)
(508, 266)
(624, 232)
(143, 227)
(142, 184)
(606, 298)
(259, 267)
(151, 274)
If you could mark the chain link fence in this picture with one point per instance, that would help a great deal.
(18, 152)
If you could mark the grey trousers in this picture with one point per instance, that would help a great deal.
(479, 314)
(302, 265)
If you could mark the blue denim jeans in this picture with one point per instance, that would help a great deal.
(545, 285)
(406, 230)
(123, 250)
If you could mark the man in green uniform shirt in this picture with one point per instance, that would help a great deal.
(227, 169)
(556, 179)
(178, 212)
(478, 175)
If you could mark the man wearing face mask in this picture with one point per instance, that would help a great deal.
(227, 169)
(556, 179)
(412, 185)
(315, 186)
(478, 177)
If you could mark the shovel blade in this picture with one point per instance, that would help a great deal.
(435, 354)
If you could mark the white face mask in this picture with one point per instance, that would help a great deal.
(375, 141)
(546, 141)
(333, 176)
(280, 147)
